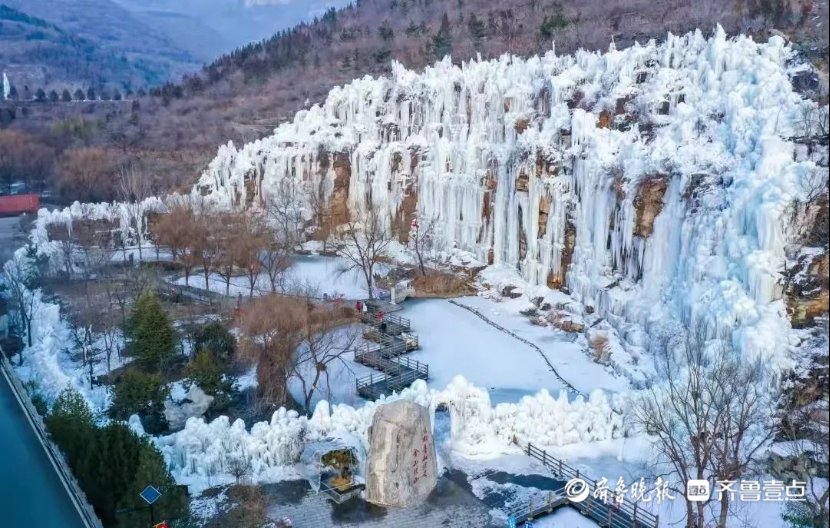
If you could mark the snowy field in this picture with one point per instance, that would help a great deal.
(566, 353)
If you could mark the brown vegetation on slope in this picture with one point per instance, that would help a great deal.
(243, 95)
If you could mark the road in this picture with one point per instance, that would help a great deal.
(31, 494)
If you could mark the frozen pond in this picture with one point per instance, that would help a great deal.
(321, 275)
(454, 341)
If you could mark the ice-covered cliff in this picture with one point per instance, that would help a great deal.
(653, 182)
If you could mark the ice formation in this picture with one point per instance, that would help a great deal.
(202, 451)
(650, 182)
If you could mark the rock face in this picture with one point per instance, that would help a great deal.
(400, 468)
(649, 203)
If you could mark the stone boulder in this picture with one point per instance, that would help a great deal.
(400, 466)
(194, 403)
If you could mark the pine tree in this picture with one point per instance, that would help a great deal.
(152, 340)
(152, 471)
(142, 394)
(66, 96)
(109, 470)
(71, 425)
(215, 338)
(441, 44)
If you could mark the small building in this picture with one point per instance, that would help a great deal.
(18, 204)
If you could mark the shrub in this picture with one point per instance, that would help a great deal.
(142, 394)
(216, 339)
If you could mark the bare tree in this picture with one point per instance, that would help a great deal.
(62, 235)
(174, 230)
(364, 243)
(709, 413)
(421, 237)
(270, 328)
(249, 246)
(322, 218)
(224, 244)
(239, 466)
(19, 276)
(286, 212)
(322, 345)
(206, 248)
(804, 426)
(275, 259)
(133, 186)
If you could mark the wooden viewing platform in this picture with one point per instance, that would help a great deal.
(611, 514)
(391, 339)
(395, 325)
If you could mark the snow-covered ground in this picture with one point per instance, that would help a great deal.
(319, 275)
(566, 351)
(455, 341)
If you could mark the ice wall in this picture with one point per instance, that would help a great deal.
(650, 182)
(201, 452)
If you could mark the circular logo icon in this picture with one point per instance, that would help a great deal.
(576, 490)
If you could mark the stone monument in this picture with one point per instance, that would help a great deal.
(400, 466)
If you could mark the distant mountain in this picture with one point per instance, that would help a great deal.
(208, 28)
(134, 43)
(37, 54)
(101, 42)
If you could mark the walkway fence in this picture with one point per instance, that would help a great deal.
(523, 340)
(54, 454)
(612, 514)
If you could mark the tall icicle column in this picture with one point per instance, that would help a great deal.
(652, 183)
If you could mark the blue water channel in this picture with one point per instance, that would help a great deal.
(31, 494)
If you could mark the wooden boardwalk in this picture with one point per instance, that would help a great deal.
(391, 340)
(611, 514)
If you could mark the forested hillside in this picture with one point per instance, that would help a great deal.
(245, 94)
(36, 54)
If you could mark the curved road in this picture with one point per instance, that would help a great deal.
(31, 494)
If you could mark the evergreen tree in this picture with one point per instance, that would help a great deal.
(152, 340)
(79, 95)
(40, 95)
(477, 30)
(71, 425)
(90, 94)
(441, 44)
(66, 96)
(215, 338)
(152, 471)
(142, 394)
(108, 468)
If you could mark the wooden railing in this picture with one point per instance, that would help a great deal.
(626, 514)
(537, 506)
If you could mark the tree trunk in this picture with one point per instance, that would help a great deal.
(724, 510)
